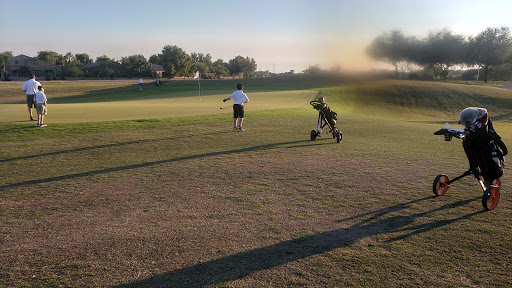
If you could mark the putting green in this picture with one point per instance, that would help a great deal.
(157, 108)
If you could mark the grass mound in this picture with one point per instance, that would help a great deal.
(417, 99)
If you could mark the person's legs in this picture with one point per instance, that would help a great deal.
(241, 113)
(30, 104)
(236, 115)
(40, 114)
(240, 121)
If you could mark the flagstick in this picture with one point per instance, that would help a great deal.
(197, 76)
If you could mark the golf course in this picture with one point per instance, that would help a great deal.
(153, 188)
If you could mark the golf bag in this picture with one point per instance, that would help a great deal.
(486, 151)
(326, 117)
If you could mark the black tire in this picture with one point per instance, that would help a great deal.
(439, 188)
(339, 136)
(313, 135)
(491, 197)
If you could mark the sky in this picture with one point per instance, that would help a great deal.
(281, 35)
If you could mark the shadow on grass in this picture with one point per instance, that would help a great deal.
(120, 144)
(453, 122)
(503, 117)
(242, 264)
(305, 143)
(188, 88)
(132, 92)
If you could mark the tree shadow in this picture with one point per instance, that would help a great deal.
(119, 144)
(299, 143)
(504, 116)
(181, 89)
(239, 265)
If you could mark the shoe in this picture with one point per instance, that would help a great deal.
(241, 129)
(43, 125)
(37, 125)
(235, 128)
(32, 118)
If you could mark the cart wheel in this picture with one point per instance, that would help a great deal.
(313, 135)
(491, 197)
(497, 182)
(440, 187)
(339, 136)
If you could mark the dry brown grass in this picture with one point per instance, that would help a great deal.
(194, 206)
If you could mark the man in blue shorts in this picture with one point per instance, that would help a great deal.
(239, 99)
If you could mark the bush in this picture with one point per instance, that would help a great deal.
(501, 72)
(420, 75)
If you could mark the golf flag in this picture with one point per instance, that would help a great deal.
(196, 76)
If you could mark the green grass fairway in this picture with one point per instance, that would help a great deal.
(146, 193)
(157, 108)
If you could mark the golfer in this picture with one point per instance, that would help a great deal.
(239, 99)
(30, 88)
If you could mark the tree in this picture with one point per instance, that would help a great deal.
(393, 48)
(501, 72)
(243, 65)
(4, 60)
(70, 60)
(219, 68)
(72, 71)
(201, 67)
(202, 63)
(154, 59)
(105, 71)
(491, 47)
(83, 58)
(105, 58)
(312, 70)
(175, 61)
(200, 57)
(51, 57)
(70, 65)
(440, 51)
(136, 63)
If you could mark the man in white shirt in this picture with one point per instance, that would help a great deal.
(239, 99)
(30, 88)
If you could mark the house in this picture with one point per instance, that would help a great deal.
(156, 70)
(38, 67)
